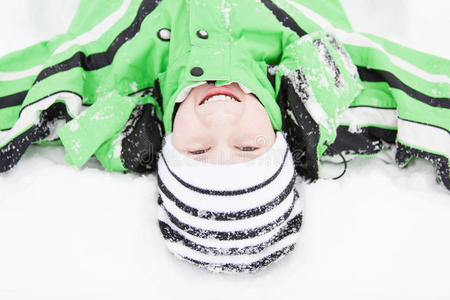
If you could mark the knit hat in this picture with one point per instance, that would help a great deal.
(229, 218)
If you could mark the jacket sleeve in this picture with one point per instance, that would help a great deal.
(315, 80)
(404, 98)
(405, 101)
(95, 76)
(18, 71)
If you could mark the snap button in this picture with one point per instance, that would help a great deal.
(196, 71)
(202, 34)
(164, 34)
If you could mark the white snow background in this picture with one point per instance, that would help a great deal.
(379, 232)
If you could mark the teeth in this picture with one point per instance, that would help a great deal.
(218, 98)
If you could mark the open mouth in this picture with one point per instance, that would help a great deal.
(219, 96)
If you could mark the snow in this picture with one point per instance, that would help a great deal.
(380, 232)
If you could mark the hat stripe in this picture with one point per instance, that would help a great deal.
(231, 225)
(182, 251)
(162, 216)
(232, 235)
(226, 193)
(292, 226)
(254, 266)
(227, 204)
(228, 216)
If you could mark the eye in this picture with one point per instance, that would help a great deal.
(198, 152)
(247, 148)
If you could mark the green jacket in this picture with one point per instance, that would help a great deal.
(102, 88)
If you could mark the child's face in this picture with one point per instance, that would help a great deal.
(222, 131)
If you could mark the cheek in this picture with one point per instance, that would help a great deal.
(186, 127)
(255, 124)
(256, 114)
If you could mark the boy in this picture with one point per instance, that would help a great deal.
(171, 47)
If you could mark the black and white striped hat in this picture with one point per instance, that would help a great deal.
(229, 218)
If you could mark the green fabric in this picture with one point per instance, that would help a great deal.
(331, 10)
(332, 101)
(13, 86)
(375, 94)
(31, 56)
(108, 116)
(9, 117)
(421, 112)
(109, 152)
(428, 62)
(90, 13)
(377, 60)
(244, 39)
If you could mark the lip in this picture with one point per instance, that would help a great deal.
(219, 90)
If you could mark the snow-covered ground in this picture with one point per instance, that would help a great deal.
(379, 232)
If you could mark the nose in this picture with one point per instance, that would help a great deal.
(220, 120)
